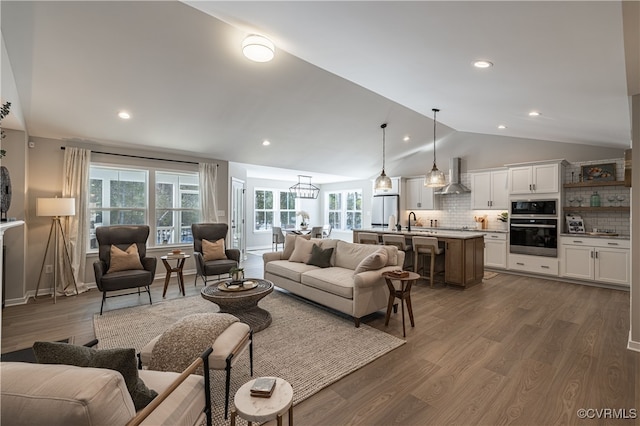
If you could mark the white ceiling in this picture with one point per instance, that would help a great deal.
(341, 69)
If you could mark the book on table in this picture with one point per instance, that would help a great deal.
(263, 387)
(398, 274)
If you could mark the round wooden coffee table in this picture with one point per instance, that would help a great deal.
(242, 303)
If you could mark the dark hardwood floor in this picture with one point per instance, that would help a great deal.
(513, 350)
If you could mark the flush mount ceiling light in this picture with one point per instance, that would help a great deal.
(534, 114)
(258, 48)
(435, 178)
(304, 189)
(502, 126)
(383, 183)
(483, 64)
(124, 115)
(266, 143)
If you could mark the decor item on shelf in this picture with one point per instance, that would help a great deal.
(575, 224)
(599, 172)
(56, 207)
(595, 199)
(304, 189)
(304, 216)
(383, 183)
(434, 178)
(258, 48)
(5, 180)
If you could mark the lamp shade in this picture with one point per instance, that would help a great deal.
(56, 207)
(258, 48)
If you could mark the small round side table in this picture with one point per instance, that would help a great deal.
(256, 409)
(403, 293)
(178, 270)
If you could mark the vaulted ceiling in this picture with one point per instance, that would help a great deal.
(340, 70)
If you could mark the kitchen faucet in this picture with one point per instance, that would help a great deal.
(409, 220)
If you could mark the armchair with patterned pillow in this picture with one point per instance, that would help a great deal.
(210, 252)
(123, 262)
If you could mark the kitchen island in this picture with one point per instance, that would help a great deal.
(464, 252)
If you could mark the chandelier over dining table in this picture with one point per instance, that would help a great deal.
(304, 188)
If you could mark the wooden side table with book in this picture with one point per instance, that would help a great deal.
(180, 257)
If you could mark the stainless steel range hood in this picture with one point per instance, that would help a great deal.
(454, 186)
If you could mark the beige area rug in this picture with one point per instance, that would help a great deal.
(305, 344)
(489, 275)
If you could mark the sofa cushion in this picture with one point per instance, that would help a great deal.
(349, 255)
(213, 250)
(124, 260)
(185, 404)
(374, 261)
(336, 280)
(302, 251)
(289, 270)
(120, 360)
(46, 394)
(290, 244)
(320, 257)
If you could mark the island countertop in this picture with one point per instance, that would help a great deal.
(463, 252)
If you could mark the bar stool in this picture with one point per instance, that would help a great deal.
(367, 238)
(427, 246)
(400, 241)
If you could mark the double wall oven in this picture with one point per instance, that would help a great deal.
(534, 227)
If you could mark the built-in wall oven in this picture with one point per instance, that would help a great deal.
(533, 227)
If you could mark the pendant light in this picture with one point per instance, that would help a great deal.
(304, 189)
(383, 183)
(435, 178)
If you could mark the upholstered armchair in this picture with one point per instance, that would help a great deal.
(210, 252)
(123, 261)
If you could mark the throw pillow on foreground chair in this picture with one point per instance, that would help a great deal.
(227, 336)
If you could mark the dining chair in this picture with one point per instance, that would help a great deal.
(326, 231)
(316, 232)
(277, 237)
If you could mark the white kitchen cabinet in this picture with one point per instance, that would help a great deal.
(495, 250)
(536, 264)
(418, 196)
(602, 260)
(490, 190)
(535, 179)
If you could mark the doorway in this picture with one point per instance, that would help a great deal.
(238, 231)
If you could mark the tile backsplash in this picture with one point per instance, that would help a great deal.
(454, 211)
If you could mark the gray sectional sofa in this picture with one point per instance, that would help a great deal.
(349, 282)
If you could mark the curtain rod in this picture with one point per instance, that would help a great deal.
(141, 157)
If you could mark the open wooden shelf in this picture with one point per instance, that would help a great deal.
(621, 209)
(590, 184)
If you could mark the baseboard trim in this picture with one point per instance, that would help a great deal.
(633, 345)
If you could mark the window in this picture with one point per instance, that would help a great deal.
(122, 196)
(273, 207)
(287, 210)
(345, 209)
(263, 208)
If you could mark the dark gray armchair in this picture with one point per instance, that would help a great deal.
(122, 236)
(212, 232)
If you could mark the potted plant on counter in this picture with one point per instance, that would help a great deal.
(503, 218)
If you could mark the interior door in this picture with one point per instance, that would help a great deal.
(238, 231)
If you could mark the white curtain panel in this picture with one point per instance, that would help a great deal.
(208, 179)
(76, 185)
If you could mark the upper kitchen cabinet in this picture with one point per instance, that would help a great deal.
(490, 189)
(539, 178)
(416, 195)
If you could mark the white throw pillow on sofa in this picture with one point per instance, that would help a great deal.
(374, 261)
(302, 250)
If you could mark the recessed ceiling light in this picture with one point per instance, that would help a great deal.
(124, 115)
(406, 138)
(258, 48)
(502, 126)
(483, 64)
(534, 114)
(266, 143)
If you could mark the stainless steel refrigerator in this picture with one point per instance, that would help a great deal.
(384, 206)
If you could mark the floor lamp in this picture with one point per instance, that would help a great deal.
(55, 208)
